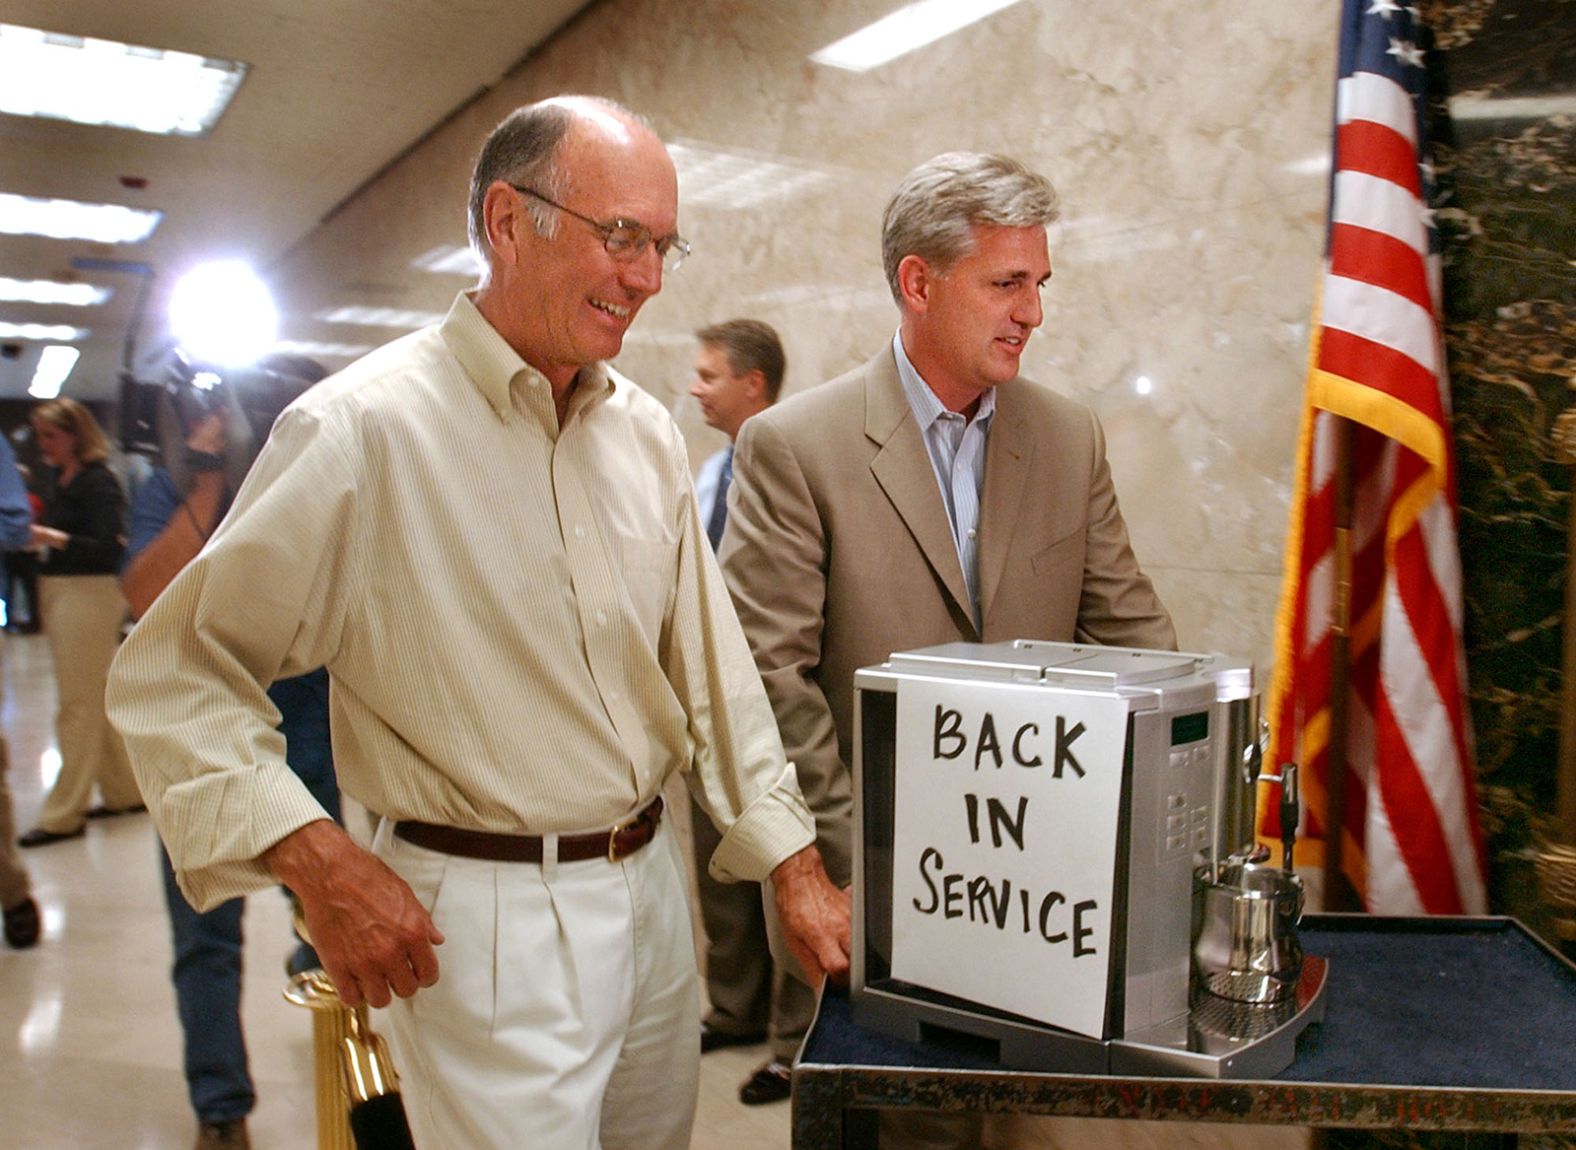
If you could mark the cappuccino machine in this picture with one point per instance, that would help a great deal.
(1055, 862)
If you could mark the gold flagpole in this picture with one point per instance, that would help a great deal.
(1339, 894)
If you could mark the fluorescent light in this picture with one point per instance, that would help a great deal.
(380, 317)
(321, 350)
(52, 332)
(52, 291)
(223, 314)
(450, 260)
(90, 81)
(74, 220)
(911, 26)
(1313, 164)
(736, 179)
(54, 364)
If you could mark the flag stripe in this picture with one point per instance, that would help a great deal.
(1419, 836)
(1382, 260)
(1366, 201)
(1350, 356)
(1382, 316)
(1378, 150)
(1376, 99)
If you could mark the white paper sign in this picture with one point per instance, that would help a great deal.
(1006, 803)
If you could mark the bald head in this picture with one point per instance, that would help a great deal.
(526, 148)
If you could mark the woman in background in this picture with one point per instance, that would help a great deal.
(81, 538)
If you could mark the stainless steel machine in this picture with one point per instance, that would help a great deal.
(1155, 892)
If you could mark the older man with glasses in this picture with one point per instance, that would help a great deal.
(516, 730)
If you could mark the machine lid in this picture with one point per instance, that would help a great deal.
(1061, 664)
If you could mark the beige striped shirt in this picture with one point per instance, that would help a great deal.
(524, 626)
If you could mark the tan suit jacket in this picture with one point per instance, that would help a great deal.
(838, 552)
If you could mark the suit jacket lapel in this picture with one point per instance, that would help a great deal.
(902, 469)
(1008, 455)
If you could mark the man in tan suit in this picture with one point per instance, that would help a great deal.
(931, 495)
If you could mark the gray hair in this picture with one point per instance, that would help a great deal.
(523, 149)
(935, 208)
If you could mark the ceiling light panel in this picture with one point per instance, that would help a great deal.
(911, 26)
(54, 365)
(75, 220)
(52, 332)
(380, 317)
(104, 82)
(450, 260)
(714, 177)
(53, 292)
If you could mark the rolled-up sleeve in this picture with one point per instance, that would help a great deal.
(739, 775)
(187, 690)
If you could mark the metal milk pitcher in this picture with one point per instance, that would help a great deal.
(1245, 914)
(1245, 944)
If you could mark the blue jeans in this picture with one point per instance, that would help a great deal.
(207, 967)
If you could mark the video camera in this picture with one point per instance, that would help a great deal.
(157, 416)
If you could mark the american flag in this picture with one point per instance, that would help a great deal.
(1411, 843)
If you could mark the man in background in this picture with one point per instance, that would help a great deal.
(16, 891)
(932, 495)
(170, 521)
(739, 373)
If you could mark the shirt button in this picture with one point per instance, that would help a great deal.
(973, 533)
(601, 618)
(580, 532)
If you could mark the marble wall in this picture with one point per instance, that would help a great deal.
(1189, 143)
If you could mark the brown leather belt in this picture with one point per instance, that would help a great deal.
(619, 842)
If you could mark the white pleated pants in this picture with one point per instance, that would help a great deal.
(566, 1009)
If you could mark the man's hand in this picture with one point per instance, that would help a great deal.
(374, 939)
(816, 916)
(48, 538)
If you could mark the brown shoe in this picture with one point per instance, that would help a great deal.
(39, 837)
(21, 924)
(223, 1135)
(713, 1039)
(771, 1083)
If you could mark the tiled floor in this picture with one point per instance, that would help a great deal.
(88, 1037)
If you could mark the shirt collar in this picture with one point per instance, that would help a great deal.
(927, 408)
(497, 369)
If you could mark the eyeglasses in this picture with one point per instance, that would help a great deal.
(625, 240)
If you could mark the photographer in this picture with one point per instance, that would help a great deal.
(171, 519)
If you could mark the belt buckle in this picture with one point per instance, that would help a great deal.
(613, 854)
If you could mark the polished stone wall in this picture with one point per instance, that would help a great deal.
(1189, 143)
